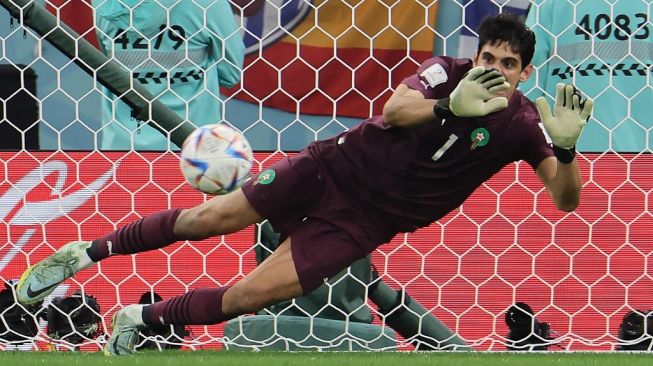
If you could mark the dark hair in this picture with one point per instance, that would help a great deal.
(18, 323)
(636, 331)
(511, 29)
(526, 332)
(74, 319)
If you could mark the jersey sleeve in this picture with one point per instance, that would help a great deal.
(226, 42)
(433, 78)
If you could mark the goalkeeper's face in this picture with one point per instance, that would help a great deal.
(501, 57)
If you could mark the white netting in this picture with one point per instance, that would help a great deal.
(314, 68)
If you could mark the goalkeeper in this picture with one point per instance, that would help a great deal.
(445, 130)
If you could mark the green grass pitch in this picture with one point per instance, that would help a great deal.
(228, 358)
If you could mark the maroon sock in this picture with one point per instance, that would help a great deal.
(201, 306)
(151, 232)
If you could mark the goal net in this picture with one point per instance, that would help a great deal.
(313, 68)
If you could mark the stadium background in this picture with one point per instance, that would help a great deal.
(582, 271)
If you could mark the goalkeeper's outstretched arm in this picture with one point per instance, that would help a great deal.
(408, 107)
(560, 174)
(474, 96)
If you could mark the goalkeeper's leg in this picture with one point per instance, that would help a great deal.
(274, 280)
(316, 250)
(220, 215)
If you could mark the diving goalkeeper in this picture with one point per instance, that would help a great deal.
(445, 130)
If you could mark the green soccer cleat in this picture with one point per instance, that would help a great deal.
(42, 278)
(126, 324)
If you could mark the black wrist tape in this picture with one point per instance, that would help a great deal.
(441, 108)
(565, 156)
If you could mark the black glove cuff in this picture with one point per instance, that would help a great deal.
(565, 156)
(441, 108)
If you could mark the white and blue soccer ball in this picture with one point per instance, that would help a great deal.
(216, 159)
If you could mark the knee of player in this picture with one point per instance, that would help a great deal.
(252, 298)
(194, 225)
(205, 220)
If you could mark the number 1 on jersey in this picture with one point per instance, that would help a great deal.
(438, 154)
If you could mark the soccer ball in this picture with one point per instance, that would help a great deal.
(216, 159)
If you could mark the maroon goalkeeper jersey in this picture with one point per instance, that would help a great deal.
(409, 177)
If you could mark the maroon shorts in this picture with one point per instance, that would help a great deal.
(328, 232)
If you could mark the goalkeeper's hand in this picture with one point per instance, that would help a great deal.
(474, 96)
(569, 116)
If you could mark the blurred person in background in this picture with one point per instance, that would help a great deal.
(603, 48)
(181, 51)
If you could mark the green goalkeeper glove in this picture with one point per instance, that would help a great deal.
(474, 96)
(569, 118)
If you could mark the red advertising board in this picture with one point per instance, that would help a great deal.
(582, 271)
